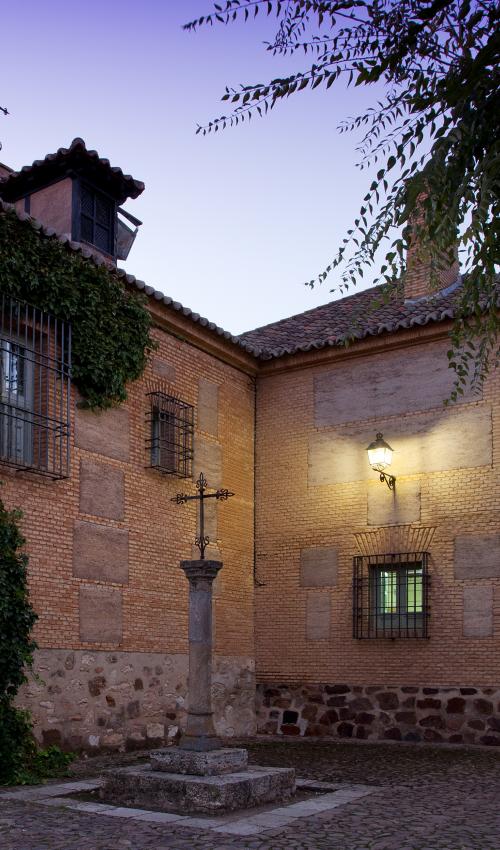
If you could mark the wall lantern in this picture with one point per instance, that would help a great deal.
(380, 457)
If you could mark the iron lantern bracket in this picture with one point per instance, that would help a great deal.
(390, 480)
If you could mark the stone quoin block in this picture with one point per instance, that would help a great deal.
(396, 507)
(102, 490)
(317, 615)
(101, 614)
(477, 556)
(105, 432)
(100, 552)
(318, 566)
(210, 509)
(208, 406)
(424, 442)
(208, 459)
(384, 385)
(478, 610)
(163, 370)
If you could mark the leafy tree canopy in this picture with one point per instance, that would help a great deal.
(434, 137)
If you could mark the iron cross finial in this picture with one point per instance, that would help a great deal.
(202, 540)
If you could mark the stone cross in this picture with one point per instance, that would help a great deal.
(200, 733)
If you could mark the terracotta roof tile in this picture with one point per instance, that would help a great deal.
(17, 182)
(354, 317)
(357, 316)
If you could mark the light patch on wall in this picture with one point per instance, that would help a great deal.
(424, 442)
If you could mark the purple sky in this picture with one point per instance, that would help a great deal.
(233, 223)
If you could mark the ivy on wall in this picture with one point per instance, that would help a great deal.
(110, 325)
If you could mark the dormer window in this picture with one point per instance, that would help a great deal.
(97, 219)
(77, 192)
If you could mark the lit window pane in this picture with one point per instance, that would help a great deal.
(389, 592)
(414, 591)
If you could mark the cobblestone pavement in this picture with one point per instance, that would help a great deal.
(425, 799)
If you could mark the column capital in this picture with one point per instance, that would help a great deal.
(201, 572)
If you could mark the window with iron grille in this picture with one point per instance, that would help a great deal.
(35, 384)
(97, 219)
(391, 596)
(170, 442)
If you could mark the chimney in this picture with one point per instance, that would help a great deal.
(426, 275)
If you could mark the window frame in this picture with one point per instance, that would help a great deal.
(170, 432)
(399, 586)
(35, 426)
(370, 620)
(79, 186)
(16, 408)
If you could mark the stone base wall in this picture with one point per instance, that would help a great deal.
(468, 715)
(85, 700)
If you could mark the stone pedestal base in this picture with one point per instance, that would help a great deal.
(211, 763)
(143, 787)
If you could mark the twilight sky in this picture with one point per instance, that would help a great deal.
(234, 222)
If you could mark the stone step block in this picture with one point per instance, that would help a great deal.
(210, 763)
(143, 787)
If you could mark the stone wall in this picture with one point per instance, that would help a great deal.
(85, 700)
(434, 714)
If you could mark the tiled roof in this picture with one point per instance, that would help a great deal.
(150, 291)
(354, 317)
(17, 183)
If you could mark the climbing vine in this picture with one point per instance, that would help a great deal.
(110, 325)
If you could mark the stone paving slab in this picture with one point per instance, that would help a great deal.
(421, 799)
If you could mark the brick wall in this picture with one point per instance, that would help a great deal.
(104, 574)
(317, 500)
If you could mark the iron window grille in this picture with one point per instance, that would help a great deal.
(97, 219)
(35, 389)
(391, 596)
(169, 445)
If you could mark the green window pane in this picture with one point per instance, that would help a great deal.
(389, 591)
(414, 591)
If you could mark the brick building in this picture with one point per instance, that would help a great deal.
(349, 608)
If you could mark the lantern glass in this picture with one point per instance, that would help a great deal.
(379, 453)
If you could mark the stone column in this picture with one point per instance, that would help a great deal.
(200, 733)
